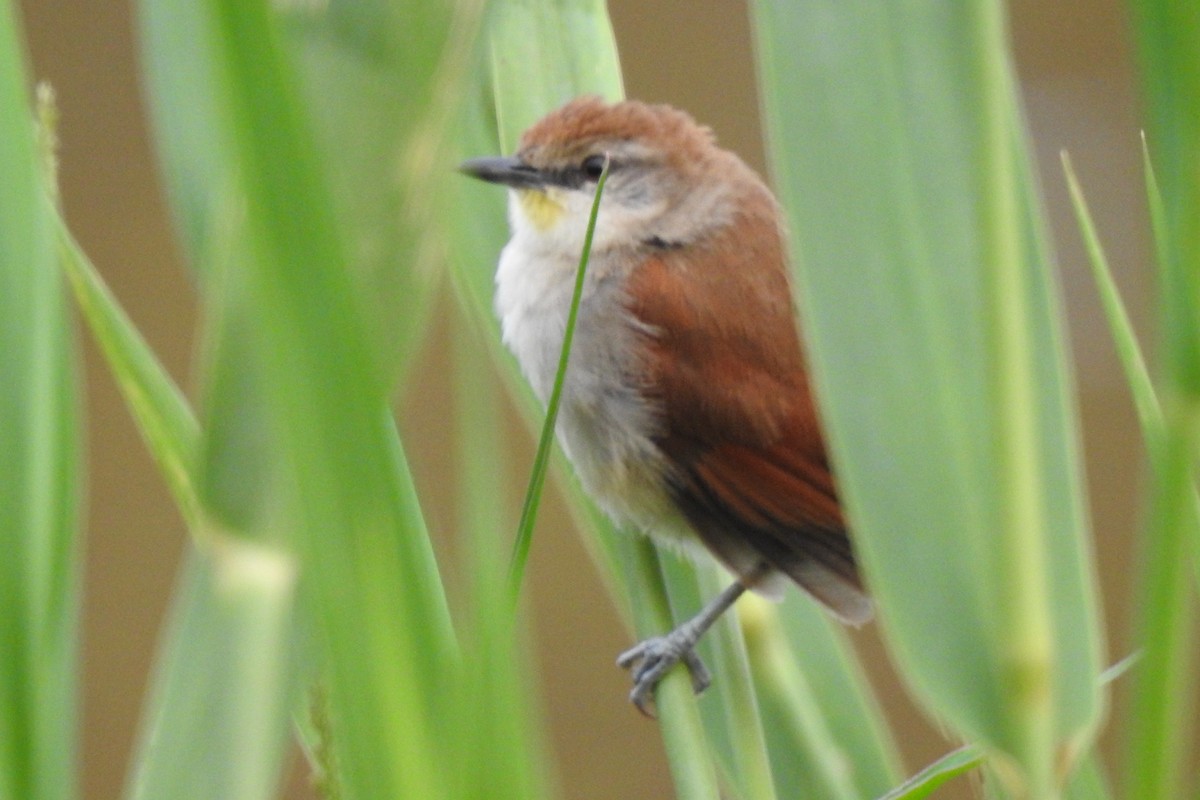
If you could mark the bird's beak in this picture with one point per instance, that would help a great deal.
(504, 170)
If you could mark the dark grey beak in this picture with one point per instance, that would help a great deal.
(505, 171)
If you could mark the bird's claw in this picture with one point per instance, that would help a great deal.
(652, 659)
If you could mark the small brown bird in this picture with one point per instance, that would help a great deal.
(686, 409)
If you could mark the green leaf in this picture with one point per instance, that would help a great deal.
(384, 639)
(949, 766)
(1162, 709)
(543, 54)
(39, 464)
(1167, 34)
(227, 668)
(1128, 350)
(932, 320)
(329, 401)
(381, 86)
(189, 114)
(157, 405)
(741, 721)
(684, 736)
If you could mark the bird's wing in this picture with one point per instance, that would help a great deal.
(748, 462)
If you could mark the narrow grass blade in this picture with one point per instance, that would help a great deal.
(162, 413)
(932, 321)
(39, 463)
(537, 476)
(1162, 713)
(1163, 251)
(1128, 350)
(1167, 34)
(227, 669)
(949, 766)
(184, 83)
(729, 708)
(386, 646)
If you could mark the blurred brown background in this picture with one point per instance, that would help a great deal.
(1074, 60)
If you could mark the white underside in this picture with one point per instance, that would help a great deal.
(605, 426)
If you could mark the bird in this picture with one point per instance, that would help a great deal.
(686, 409)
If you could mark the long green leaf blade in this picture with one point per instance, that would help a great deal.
(888, 133)
(38, 464)
(381, 86)
(1137, 375)
(358, 524)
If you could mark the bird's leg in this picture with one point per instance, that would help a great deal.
(653, 658)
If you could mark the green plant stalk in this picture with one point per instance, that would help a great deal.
(828, 678)
(751, 759)
(784, 685)
(1026, 639)
(1161, 713)
(689, 752)
(537, 478)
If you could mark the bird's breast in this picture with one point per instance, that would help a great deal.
(608, 417)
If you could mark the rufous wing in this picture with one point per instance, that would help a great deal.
(747, 461)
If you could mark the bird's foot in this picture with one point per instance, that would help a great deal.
(652, 659)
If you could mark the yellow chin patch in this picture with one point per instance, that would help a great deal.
(542, 208)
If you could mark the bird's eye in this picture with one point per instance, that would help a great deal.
(592, 166)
